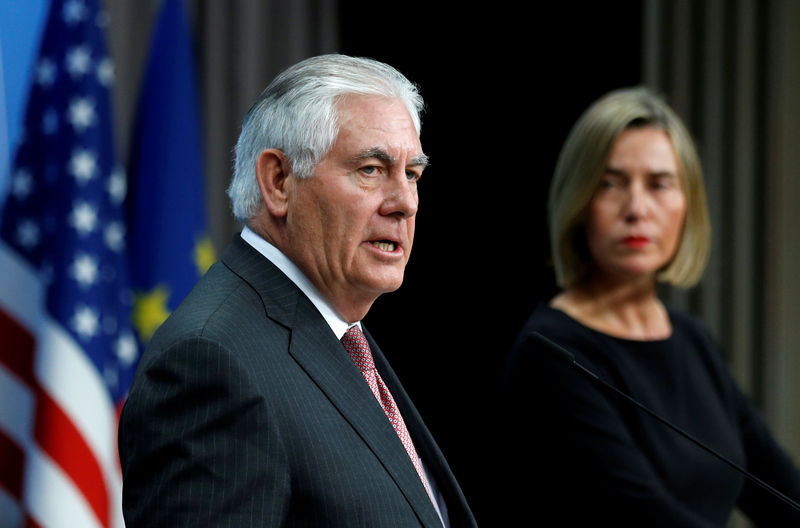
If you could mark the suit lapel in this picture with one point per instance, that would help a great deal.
(435, 463)
(314, 346)
(325, 360)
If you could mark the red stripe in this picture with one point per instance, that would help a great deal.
(30, 523)
(60, 439)
(16, 355)
(54, 431)
(17, 350)
(12, 462)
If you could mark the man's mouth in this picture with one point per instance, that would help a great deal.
(384, 245)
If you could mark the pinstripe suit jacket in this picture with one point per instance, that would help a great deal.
(247, 411)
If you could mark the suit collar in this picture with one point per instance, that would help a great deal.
(278, 293)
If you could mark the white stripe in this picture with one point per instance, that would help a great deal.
(21, 293)
(17, 406)
(70, 378)
(51, 498)
(10, 510)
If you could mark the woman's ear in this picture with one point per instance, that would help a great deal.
(272, 171)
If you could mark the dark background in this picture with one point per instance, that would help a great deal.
(503, 86)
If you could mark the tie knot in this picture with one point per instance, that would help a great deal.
(356, 345)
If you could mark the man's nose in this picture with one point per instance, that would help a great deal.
(401, 196)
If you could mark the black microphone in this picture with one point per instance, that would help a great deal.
(569, 358)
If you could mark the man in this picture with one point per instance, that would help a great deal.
(247, 409)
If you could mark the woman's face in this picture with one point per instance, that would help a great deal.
(637, 212)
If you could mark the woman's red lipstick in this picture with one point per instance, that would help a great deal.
(636, 241)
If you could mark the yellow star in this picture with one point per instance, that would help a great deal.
(149, 311)
(204, 255)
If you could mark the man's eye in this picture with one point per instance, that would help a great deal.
(413, 176)
(370, 170)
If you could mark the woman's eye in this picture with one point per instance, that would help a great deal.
(608, 183)
(663, 183)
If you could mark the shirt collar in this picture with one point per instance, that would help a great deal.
(274, 255)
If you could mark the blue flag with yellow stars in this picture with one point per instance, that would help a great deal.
(170, 248)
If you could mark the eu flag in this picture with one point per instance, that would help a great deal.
(68, 351)
(170, 249)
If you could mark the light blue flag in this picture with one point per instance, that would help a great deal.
(170, 248)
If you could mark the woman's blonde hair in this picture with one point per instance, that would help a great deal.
(580, 168)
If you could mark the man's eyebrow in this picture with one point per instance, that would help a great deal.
(381, 154)
(377, 153)
(420, 160)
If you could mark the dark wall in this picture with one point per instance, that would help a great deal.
(503, 87)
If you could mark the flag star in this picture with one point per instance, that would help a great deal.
(126, 349)
(50, 122)
(117, 186)
(28, 234)
(114, 236)
(22, 184)
(105, 72)
(83, 218)
(85, 322)
(79, 60)
(74, 12)
(82, 165)
(84, 270)
(45, 72)
(81, 113)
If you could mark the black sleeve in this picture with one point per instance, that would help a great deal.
(770, 463)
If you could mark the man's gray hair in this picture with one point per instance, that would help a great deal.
(297, 114)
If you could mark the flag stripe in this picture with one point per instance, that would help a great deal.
(20, 289)
(16, 411)
(10, 508)
(17, 350)
(51, 498)
(68, 376)
(12, 462)
(60, 439)
(30, 523)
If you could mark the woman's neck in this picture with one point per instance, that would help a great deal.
(627, 309)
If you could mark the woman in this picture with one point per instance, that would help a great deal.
(627, 209)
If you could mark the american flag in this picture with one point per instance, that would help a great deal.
(67, 351)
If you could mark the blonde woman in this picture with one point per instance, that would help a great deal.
(627, 210)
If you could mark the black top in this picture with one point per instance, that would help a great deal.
(602, 461)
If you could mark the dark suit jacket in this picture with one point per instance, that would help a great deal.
(247, 411)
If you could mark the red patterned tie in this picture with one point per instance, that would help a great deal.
(356, 344)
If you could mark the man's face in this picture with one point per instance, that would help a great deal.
(351, 225)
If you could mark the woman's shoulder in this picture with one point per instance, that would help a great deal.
(689, 326)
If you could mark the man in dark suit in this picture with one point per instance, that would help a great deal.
(247, 409)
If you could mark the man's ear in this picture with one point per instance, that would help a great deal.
(272, 171)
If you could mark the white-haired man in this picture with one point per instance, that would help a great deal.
(261, 402)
